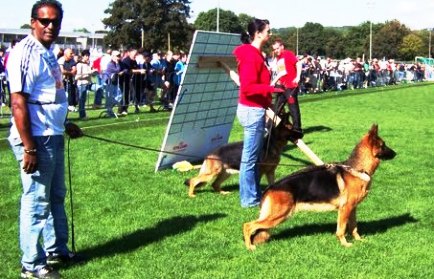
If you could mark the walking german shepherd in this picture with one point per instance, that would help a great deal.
(225, 160)
(338, 187)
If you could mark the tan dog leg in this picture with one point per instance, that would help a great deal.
(275, 208)
(218, 182)
(352, 226)
(343, 216)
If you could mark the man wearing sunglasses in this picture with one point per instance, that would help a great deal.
(39, 106)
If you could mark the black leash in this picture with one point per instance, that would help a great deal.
(168, 152)
(140, 147)
(70, 200)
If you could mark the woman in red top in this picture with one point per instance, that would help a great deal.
(254, 98)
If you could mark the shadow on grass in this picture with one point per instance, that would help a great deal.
(365, 228)
(132, 241)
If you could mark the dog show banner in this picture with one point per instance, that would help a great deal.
(206, 103)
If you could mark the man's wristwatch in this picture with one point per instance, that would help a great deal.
(31, 151)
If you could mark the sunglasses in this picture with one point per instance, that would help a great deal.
(46, 21)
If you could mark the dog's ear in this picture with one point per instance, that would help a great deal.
(374, 130)
(373, 134)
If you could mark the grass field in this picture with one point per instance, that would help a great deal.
(134, 223)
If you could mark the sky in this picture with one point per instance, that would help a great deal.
(415, 14)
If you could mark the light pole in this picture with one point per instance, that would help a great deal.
(370, 5)
(370, 41)
(296, 46)
(142, 31)
(218, 16)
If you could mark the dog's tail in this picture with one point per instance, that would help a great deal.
(184, 166)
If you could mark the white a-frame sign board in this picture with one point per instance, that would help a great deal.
(206, 103)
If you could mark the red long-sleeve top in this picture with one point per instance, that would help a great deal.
(255, 88)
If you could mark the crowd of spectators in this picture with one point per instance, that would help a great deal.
(132, 78)
(135, 77)
(327, 74)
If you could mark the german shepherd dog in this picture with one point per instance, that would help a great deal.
(225, 160)
(338, 187)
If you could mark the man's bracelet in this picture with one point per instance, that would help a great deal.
(31, 151)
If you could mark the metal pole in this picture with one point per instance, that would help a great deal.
(370, 5)
(370, 41)
(143, 36)
(218, 15)
(297, 42)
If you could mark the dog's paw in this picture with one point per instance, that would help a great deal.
(357, 237)
(251, 248)
(192, 195)
(225, 192)
(346, 244)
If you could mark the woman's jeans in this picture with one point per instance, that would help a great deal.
(253, 121)
(42, 212)
(82, 98)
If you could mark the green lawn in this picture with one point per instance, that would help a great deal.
(134, 223)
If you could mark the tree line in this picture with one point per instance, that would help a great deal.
(162, 24)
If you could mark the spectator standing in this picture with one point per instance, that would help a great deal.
(288, 76)
(2, 77)
(129, 67)
(139, 79)
(99, 86)
(254, 98)
(112, 76)
(169, 72)
(358, 73)
(84, 80)
(69, 69)
(179, 72)
(39, 107)
(150, 88)
(157, 73)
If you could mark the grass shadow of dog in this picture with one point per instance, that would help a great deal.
(142, 237)
(369, 227)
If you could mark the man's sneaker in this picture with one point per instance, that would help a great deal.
(69, 259)
(45, 272)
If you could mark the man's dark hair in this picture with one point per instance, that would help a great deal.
(85, 52)
(43, 3)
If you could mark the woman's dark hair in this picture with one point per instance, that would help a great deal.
(43, 3)
(256, 25)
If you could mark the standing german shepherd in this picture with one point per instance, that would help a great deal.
(338, 187)
(225, 160)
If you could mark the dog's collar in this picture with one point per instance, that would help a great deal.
(363, 175)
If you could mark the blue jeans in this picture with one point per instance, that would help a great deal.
(42, 213)
(110, 101)
(253, 121)
(99, 90)
(82, 98)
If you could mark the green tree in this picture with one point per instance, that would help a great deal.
(25, 26)
(228, 21)
(411, 46)
(388, 39)
(154, 21)
(244, 20)
(356, 40)
(311, 39)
